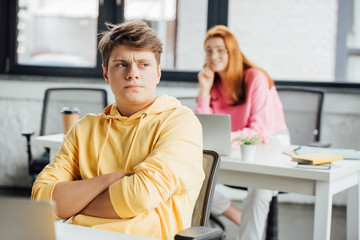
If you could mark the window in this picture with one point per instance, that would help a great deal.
(181, 26)
(191, 30)
(161, 16)
(292, 40)
(59, 38)
(57, 33)
(353, 39)
(353, 44)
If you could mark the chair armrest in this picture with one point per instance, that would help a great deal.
(27, 133)
(319, 144)
(199, 233)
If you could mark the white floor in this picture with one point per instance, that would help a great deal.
(296, 222)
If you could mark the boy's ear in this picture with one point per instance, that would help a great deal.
(105, 74)
(159, 73)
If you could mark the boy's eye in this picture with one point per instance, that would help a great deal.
(145, 64)
(121, 65)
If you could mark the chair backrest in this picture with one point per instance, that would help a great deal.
(302, 109)
(87, 100)
(211, 164)
(190, 102)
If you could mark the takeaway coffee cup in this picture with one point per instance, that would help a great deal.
(69, 116)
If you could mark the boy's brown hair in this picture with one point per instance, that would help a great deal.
(136, 34)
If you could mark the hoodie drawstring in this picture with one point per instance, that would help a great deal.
(134, 139)
(103, 147)
(131, 146)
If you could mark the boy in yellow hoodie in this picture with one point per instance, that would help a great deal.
(137, 167)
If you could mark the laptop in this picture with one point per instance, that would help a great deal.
(216, 132)
(22, 218)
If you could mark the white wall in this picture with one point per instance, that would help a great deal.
(292, 40)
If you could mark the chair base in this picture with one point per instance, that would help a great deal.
(272, 222)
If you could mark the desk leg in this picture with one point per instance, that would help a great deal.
(323, 209)
(353, 212)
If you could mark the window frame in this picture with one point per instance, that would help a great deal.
(15, 68)
(113, 11)
(343, 52)
(4, 29)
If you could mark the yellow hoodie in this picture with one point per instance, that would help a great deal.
(161, 146)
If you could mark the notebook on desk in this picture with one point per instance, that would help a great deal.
(216, 132)
(26, 219)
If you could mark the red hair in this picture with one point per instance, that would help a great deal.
(237, 64)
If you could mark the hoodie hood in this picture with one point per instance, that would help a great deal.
(161, 104)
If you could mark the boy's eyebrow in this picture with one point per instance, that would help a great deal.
(137, 60)
(118, 60)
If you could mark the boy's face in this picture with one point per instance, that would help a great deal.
(132, 75)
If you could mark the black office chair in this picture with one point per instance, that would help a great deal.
(200, 220)
(302, 109)
(87, 100)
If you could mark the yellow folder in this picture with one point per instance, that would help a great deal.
(316, 158)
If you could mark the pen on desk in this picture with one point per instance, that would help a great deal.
(292, 152)
(298, 148)
(289, 153)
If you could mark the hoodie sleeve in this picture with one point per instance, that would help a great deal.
(174, 167)
(63, 168)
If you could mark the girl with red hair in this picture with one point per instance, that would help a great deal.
(231, 84)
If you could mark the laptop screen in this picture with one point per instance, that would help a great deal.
(216, 132)
(22, 218)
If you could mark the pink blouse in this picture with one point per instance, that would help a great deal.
(262, 112)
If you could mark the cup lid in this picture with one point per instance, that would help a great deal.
(69, 110)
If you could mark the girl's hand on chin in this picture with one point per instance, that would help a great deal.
(206, 80)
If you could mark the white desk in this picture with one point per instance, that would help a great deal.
(65, 231)
(53, 142)
(273, 170)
